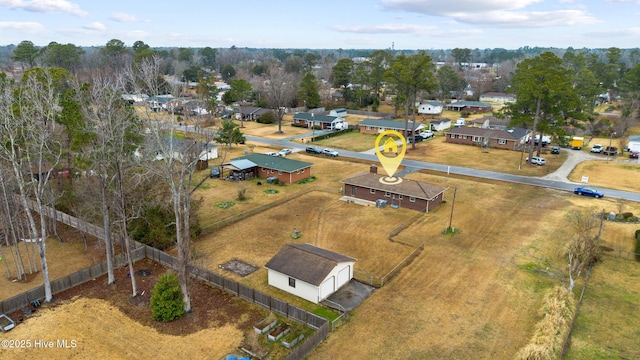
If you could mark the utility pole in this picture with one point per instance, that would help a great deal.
(453, 203)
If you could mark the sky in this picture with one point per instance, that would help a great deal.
(326, 24)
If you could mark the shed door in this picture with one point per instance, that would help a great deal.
(344, 275)
(327, 287)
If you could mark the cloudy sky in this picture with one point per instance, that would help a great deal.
(346, 24)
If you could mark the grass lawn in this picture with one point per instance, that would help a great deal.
(608, 318)
(614, 174)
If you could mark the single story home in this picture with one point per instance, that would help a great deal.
(410, 194)
(266, 166)
(320, 122)
(440, 124)
(339, 112)
(634, 143)
(472, 106)
(377, 126)
(309, 272)
(490, 122)
(250, 113)
(511, 139)
(430, 108)
(498, 97)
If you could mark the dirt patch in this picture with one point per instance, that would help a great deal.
(105, 319)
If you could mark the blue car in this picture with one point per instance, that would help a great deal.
(586, 191)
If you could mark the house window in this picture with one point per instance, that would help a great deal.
(298, 172)
(476, 139)
(412, 199)
(367, 127)
(279, 172)
(400, 197)
(263, 170)
(464, 137)
(453, 136)
(292, 282)
(387, 194)
(302, 171)
(373, 191)
(502, 141)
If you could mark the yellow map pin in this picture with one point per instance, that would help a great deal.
(391, 154)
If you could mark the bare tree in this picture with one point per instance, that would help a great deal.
(583, 250)
(278, 89)
(33, 150)
(114, 132)
(175, 164)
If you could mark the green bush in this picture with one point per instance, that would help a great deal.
(627, 215)
(267, 118)
(166, 299)
(620, 217)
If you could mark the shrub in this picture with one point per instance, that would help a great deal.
(166, 299)
(267, 118)
(551, 332)
(627, 215)
(620, 217)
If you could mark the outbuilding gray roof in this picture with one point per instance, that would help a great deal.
(275, 162)
(389, 124)
(306, 262)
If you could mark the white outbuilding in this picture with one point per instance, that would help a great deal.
(309, 272)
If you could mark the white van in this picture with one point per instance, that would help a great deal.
(537, 160)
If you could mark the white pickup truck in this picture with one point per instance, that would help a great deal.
(426, 134)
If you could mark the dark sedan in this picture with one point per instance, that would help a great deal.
(586, 191)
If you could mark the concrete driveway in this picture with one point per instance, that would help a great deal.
(349, 296)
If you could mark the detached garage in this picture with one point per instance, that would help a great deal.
(309, 272)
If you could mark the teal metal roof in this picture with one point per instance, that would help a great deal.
(276, 162)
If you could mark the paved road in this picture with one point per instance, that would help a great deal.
(556, 180)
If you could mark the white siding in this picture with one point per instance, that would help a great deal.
(302, 289)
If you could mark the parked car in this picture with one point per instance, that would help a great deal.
(555, 150)
(285, 152)
(634, 154)
(587, 191)
(215, 172)
(314, 150)
(330, 152)
(271, 153)
(427, 134)
(418, 138)
(610, 150)
(537, 160)
(596, 148)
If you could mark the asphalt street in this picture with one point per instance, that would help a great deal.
(556, 180)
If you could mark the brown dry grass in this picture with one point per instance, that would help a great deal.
(62, 257)
(614, 174)
(99, 328)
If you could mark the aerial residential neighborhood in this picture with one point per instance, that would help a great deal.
(185, 185)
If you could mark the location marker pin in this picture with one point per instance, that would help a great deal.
(391, 154)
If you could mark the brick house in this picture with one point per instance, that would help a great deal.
(251, 113)
(266, 166)
(377, 126)
(511, 139)
(409, 194)
(471, 106)
(320, 122)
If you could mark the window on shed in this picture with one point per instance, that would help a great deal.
(292, 282)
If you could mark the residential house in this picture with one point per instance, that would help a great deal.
(409, 194)
(490, 122)
(511, 139)
(266, 166)
(498, 97)
(440, 124)
(377, 126)
(250, 113)
(309, 272)
(471, 106)
(336, 96)
(431, 109)
(317, 121)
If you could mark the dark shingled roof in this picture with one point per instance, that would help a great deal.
(276, 162)
(306, 262)
(407, 187)
(511, 134)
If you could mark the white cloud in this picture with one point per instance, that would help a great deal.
(383, 29)
(94, 26)
(28, 27)
(123, 17)
(535, 19)
(45, 6)
(445, 8)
